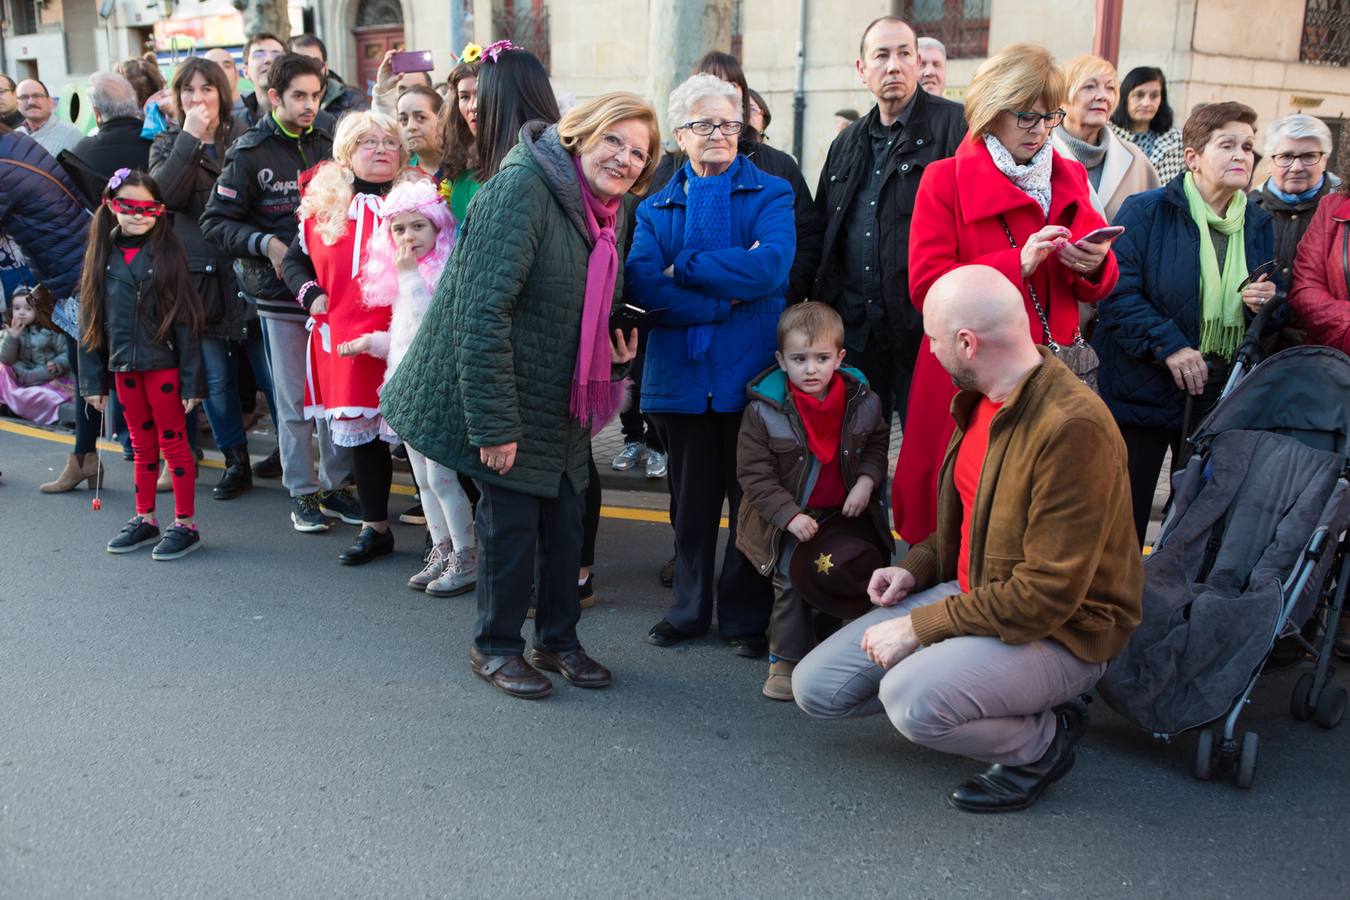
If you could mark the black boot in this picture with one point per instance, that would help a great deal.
(238, 474)
(1006, 788)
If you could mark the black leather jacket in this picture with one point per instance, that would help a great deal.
(934, 131)
(129, 326)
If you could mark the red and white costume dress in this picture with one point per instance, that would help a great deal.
(345, 389)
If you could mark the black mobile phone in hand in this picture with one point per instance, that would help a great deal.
(1266, 268)
(626, 317)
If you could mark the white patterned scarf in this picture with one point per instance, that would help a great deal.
(1033, 178)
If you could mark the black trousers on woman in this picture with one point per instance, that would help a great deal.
(702, 460)
(590, 521)
(88, 421)
(373, 470)
(524, 540)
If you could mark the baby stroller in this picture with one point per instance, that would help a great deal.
(1254, 549)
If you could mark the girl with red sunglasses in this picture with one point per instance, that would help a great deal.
(140, 327)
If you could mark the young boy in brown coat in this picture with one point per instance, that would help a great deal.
(812, 444)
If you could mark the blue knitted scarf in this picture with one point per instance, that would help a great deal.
(707, 226)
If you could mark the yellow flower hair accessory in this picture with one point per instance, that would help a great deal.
(471, 53)
(446, 189)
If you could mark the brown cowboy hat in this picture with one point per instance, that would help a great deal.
(831, 571)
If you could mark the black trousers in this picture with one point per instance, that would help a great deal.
(525, 540)
(702, 452)
(636, 427)
(374, 471)
(887, 374)
(1146, 448)
(590, 520)
(88, 421)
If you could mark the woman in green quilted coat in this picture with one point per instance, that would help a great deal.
(515, 364)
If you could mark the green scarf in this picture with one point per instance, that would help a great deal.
(1221, 319)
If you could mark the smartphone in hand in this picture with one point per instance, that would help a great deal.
(1099, 235)
(411, 61)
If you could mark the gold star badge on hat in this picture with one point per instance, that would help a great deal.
(824, 563)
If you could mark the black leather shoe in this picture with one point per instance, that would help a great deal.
(578, 668)
(750, 646)
(369, 545)
(237, 477)
(1007, 788)
(664, 634)
(510, 675)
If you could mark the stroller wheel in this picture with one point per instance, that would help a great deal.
(1204, 754)
(1330, 706)
(1300, 702)
(1246, 770)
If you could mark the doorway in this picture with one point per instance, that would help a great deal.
(371, 45)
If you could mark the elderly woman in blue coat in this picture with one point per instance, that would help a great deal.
(1168, 333)
(710, 259)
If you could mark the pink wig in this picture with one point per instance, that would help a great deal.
(379, 286)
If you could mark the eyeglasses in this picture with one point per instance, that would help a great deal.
(24, 98)
(615, 145)
(5, 90)
(1028, 120)
(148, 208)
(1286, 160)
(705, 129)
(372, 144)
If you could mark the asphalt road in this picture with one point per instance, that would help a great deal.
(255, 720)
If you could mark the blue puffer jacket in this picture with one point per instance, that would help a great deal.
(738, 290)
(39, 210)
(1155, 309)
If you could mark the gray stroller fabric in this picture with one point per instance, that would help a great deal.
(1203, 637)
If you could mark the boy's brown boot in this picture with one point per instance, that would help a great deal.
(778, 686)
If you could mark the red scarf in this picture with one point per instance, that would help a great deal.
(823, 422)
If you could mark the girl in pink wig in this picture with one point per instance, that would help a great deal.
(404, 262)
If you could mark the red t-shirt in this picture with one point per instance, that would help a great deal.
(129, 253)
(969, 465)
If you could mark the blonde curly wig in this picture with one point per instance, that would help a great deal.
(329, 192)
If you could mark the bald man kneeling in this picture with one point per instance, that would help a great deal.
(986, 634)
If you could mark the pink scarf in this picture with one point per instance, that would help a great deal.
(595, 398)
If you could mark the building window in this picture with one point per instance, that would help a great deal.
(373, 13)
(23, 17)
(961, 25)
(525, 23)
(1326, 32)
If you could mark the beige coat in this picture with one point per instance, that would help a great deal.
(1125, 172)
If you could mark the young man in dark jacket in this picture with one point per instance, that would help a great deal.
(813, 444)
(252, 215)
(987, 632)
(866, 197)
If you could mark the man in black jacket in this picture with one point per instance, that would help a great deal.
(9, 102)
(118, 143)
(252, 215)
(866, 197)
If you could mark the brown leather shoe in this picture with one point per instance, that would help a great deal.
(510, 675)
(578, 668)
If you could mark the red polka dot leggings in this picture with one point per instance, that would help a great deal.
(155, 418)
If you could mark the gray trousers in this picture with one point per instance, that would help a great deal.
(969, 696)
(287, 352)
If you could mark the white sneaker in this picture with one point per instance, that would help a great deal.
(657, 467)
(436, 562)
(634, 453)
(459, 577)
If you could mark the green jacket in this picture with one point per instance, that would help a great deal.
(492, 362)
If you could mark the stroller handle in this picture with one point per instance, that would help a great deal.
(1249, 352)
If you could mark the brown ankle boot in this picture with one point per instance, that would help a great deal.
(73, 473)
(92, 469)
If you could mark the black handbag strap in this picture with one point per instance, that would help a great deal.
(1036, 302)
(1345, 255)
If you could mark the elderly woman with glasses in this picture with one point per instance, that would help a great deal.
(1298, 147)
(1006, 200)
(339, 214)
(710, 261)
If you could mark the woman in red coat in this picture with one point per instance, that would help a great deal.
(1006, 200)
(1321, 292)
(340, 211)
